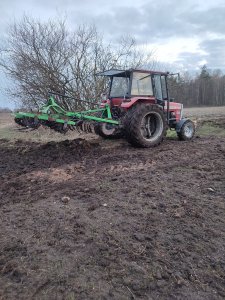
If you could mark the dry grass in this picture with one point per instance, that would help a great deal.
(199, 112)
(10, 130)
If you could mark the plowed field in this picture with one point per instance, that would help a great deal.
(94, 219)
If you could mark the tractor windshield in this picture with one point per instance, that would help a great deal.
(141, 84)
(119, 87)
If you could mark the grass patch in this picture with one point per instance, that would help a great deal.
(208, 128)
(11, 133)
(171, 134)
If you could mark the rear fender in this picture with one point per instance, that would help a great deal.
(130, 102)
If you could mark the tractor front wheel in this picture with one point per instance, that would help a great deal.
(145, 125)
(187, 131)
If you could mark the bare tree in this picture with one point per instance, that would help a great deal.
(39, 57)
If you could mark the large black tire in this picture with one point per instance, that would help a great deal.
(107, 131)
(187, 131)
(145, 125)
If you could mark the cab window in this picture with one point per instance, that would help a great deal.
(141, 84)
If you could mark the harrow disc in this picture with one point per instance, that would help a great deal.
(59, 127)
(28, 122)
(85, 126)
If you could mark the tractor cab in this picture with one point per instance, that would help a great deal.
(127, 84)
(128, 87)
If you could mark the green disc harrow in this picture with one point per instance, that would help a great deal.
(55, 117)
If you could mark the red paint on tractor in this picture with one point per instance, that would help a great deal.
(127, 103)
(176, 108)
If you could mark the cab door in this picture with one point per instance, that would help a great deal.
(160, 87)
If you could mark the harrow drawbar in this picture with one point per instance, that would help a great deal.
(53, 116)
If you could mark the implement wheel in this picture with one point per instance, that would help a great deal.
(145, 125)
(107, 131)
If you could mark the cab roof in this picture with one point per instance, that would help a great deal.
(121, 73)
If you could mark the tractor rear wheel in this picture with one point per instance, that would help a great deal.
(107, 131)
(145, 125)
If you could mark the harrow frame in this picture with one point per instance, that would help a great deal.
(52, 112)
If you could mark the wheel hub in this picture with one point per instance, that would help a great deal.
(188, 130)
(151, 125)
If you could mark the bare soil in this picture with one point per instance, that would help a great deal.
(94, 219)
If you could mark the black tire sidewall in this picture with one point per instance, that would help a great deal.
(133, 121)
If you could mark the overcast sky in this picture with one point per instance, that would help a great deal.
(186, 34)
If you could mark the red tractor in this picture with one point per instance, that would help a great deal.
(140, 101)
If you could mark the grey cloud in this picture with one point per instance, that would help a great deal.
(216, 52)
(155, 21)
(190, 60)
(214, 55)
(211, 20)
(178, 19)
(147, 20)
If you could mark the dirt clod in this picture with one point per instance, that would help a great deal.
(65, 199)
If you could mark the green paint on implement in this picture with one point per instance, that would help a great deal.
(51, 111)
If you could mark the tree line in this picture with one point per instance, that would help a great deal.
(47, 56)
(207, 88)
